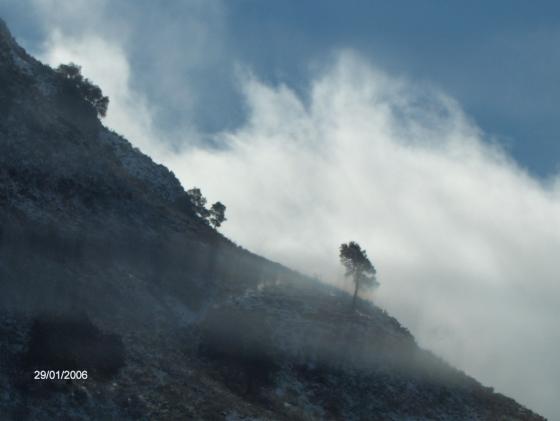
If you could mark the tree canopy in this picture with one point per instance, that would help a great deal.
(357, 265)
(87, 90)
(199, 202)
(217, 214)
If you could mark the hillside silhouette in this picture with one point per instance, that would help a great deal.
(106, 266)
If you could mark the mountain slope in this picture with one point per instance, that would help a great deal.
(105, 266)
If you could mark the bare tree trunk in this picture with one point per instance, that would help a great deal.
(356, 287)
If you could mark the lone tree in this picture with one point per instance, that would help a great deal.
(87, 90)
(357, 265)
(217, 214)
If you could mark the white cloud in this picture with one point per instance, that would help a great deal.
(465, 242)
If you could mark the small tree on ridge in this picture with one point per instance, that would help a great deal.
(199, 202)
(357, 265)
(88, 90)
(217, 214)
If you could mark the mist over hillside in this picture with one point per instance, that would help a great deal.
(105, 266)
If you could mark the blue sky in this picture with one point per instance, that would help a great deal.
(499, 59)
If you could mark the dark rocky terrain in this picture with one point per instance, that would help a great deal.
(105, 266)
